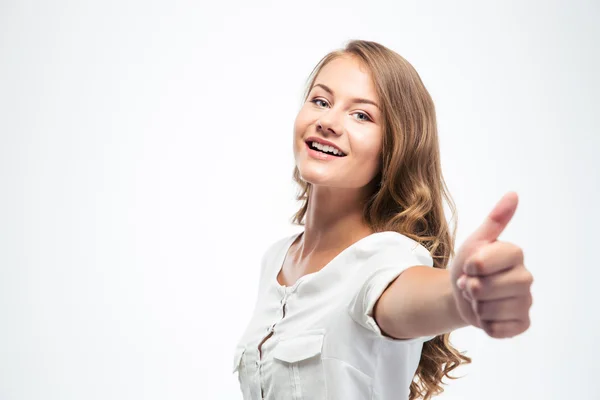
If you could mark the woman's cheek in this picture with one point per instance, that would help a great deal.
(370, 151)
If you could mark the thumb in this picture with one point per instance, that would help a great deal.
(497, 220)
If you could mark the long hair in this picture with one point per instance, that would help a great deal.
(410, 191)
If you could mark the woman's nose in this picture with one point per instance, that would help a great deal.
(328, 124)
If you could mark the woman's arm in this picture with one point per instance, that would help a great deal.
(425, 301)
(420, 302)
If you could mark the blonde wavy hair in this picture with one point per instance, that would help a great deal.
(410, 191)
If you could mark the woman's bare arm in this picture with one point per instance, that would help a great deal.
(419, 302)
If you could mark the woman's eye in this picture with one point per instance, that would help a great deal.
(362, 116)
(320, 102)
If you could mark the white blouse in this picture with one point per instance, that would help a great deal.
(322, 341)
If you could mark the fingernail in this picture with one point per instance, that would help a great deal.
(460, 282)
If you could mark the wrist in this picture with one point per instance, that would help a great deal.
(453, 309)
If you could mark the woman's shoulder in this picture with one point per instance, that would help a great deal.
(276, 248)
(393, 245)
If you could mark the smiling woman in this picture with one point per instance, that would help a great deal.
(341, 106)
(359, 305)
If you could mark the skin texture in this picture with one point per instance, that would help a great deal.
(486, 286)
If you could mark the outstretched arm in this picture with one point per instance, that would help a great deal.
(420, 302)
(486, 286)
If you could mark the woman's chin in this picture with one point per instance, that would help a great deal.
(316, 179)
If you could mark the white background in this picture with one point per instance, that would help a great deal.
(145, 165)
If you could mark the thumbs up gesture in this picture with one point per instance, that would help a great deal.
(492, 287)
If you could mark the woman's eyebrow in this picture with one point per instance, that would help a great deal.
(355, 100)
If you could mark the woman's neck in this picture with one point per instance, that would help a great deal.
(334, 220)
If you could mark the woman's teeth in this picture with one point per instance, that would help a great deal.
(326, 149)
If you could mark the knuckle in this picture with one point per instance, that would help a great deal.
(529, 301)
(494, 330)
(518, 253)
(521, 327)
(527, 279)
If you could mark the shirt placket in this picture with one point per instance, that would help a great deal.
(270, 330)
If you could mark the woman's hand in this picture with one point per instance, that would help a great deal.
(492, 287)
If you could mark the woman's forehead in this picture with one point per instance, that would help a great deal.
(347, 75)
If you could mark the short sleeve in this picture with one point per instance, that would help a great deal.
(377, 273)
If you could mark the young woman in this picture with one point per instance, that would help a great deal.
(360, 305)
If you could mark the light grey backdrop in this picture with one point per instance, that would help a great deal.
(145, 165)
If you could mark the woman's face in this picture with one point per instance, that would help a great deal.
(341, 110)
